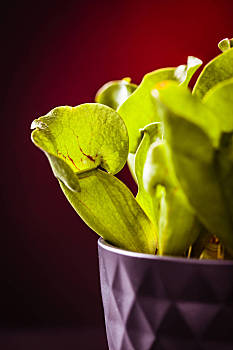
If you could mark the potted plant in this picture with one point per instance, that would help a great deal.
(165, 256)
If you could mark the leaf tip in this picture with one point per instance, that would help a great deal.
(37, 123)
(225, 44)
(194, 61)
(126, 79)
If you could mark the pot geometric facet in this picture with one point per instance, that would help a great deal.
(165, 303)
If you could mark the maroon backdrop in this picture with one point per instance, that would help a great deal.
(60, 53)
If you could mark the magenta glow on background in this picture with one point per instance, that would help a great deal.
(60, 53)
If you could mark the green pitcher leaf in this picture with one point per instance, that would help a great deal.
(63, 172)
(220, 100)
(114, 93)
(178, 226)
(158, 169)
(225, 44)
(195, 161)
(110, 209)
(85, 137)
(217, 70)
(182, 103)
(139, 109)
(77, 141)
(224, 160)
(151, 133)
(184, 73)
(179, 148)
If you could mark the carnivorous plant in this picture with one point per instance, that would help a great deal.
(179, 147)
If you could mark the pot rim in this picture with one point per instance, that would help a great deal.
(107, 246)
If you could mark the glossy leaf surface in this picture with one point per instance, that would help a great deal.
(63, 172)
(139, 109)
(150, 134)
(79, 140)
(197, 167)
(220, 100)
(217, 70)
(114, 93)
(182, 103)
(177, 223)
(86, 136)
(110, 209)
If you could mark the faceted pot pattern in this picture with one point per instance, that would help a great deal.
(165, 303)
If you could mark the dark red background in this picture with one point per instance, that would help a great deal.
(60, 53)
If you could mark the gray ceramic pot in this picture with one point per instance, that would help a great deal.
(163, 303)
